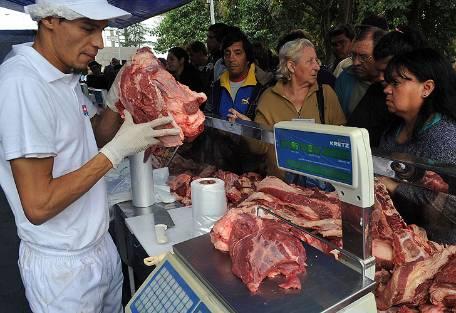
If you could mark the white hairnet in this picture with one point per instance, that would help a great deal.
(73, 9)
(46, 8)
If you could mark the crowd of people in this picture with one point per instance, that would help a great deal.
(387, 81)
(96, 78)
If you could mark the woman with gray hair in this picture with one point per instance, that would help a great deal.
(296, 95)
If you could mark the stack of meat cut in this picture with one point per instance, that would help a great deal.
(237, 187)
(148, 91)
(413, 273)
(261, 247)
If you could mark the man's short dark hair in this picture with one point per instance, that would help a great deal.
(197, 46)
(399, 41)
(234, 34)
(179, 53)
(219, 30)
(364, 32)
(94, 64)
(290, 36)
(342, 29)
(375, 20)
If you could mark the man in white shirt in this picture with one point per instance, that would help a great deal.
(50, 167)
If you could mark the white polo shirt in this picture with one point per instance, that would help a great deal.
(43, 112)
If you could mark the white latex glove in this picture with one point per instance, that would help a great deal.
(114, 92)
(132, 138)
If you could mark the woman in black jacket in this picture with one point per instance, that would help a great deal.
(179, 66)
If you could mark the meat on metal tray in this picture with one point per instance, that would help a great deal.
(327, 286)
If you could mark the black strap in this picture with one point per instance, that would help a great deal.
(256, 93)
(213, 101)
(321, 103)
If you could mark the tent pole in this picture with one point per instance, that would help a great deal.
(211, 7)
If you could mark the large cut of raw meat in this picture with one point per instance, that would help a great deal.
(411, 270)
(259, 248)
(269, 249)
(393, 241)
(317, 204)
(410, 282)
(443, 289)
(148, 91)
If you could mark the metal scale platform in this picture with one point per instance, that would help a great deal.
(198, 278)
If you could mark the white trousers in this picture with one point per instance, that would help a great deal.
(88, 281)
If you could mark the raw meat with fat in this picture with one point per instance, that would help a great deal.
(434, 181)
(261, 248)
(443, 289)
(148, 91)
(410, 282)
(411, 272)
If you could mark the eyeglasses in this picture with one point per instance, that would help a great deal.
(363, 58)
(312, 61)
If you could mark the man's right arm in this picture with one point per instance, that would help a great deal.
(43, 196)
(105, 126)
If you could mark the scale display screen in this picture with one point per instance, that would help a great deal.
(321, 155)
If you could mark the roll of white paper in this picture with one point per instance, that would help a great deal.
(142, 181)
(208, 203)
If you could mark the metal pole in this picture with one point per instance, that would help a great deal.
(118, 39)
(211, 7)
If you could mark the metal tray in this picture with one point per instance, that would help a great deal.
(327, 286)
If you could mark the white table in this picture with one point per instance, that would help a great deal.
(142, 227)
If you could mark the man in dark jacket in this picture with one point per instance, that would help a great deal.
(240, 85)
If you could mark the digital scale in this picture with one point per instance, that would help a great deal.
(197, 278)
(335, 154)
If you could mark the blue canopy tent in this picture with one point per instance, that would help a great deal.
(13, 37)
(140, 9)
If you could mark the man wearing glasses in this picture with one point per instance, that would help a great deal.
(352, 83)
(341, 38)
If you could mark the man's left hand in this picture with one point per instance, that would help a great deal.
(233, 115)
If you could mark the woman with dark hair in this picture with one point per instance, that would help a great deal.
(371, 112)
(179, 66)
(421, 91)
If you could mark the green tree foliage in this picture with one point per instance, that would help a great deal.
(182, 25)
(261, 20)
(434, 18)
(266, 20)
(135, 35)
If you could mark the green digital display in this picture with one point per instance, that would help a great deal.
(327, 156)
(318, 170)
(331, 152)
